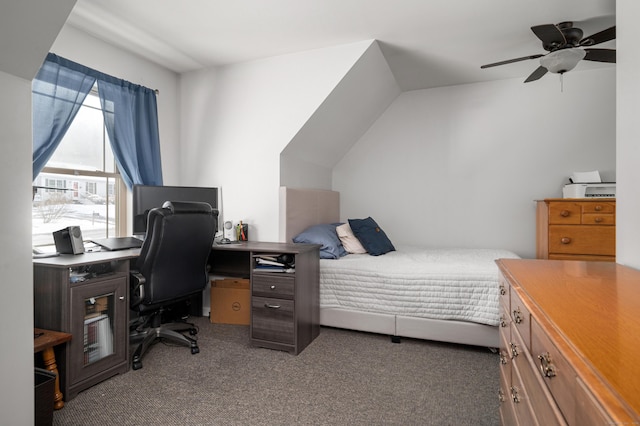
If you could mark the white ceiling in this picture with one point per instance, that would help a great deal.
(427, 43)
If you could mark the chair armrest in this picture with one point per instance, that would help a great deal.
(136, 289)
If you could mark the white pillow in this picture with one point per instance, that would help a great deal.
(349, 241)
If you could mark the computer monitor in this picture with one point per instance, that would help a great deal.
(147, 197)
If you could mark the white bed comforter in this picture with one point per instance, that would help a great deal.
(449, 284)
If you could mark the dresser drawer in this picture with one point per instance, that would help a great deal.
(588, 411)
(521, 319)
(273, 285)
(505, 288)
(272, 320)
(598, 240)
(598, 219)
(555, 371)
(521, 403)
(542, 403)
(598, 207)
(505, 354)
(507, 415)
(565, 213)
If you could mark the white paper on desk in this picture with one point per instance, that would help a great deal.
(586, 177)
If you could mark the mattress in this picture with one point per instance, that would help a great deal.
(446, 284)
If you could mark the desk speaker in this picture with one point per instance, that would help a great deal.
(69, 240)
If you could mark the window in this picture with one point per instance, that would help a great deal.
(80, 185)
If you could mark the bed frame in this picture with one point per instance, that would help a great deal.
(301, 208)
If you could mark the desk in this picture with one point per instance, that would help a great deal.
(44, 341)
(85, 295)
(88, 306)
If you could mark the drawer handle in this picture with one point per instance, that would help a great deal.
(273, 287)
(501, 397)
(517, 316)
(546, 367)
(503, 321)
(565, 240)
(503, 290)
(503, 358)
(597, 219)
(514, 350)
(514, 394)
(270, 306)
(565, 213)
(598, 208)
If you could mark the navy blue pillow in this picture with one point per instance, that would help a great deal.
(372, 238)
(325, 235)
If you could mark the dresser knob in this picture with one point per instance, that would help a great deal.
(598, 208)
(517, 316)
(565, 213)
(273, 287)
(514, 350)
(565, 240)
(503, 290)
(598, 220)
(514, 394)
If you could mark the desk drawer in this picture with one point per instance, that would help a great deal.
(274, 285)
(598, 240)
(272, 320)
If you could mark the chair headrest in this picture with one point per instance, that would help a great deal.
(187, 207)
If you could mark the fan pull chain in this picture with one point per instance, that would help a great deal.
(562, 83)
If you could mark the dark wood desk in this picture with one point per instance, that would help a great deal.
(87, 296)
(44, 341)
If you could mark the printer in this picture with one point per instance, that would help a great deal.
(589, 190)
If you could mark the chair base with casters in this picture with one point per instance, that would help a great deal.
(151, 331)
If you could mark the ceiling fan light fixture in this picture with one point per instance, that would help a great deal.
(561, 61)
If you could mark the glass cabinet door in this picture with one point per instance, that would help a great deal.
(98, 326)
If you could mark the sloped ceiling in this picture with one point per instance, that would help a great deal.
(426, 43)
(28, 28)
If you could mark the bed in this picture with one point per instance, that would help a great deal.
(448, 295)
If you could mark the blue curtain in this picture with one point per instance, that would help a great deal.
(57, 92)
(130, 116)
(131, 119)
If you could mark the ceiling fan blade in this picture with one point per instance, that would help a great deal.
(510, 61)
(600, 55)
(600, 37)
(537, 74)
(549, 34)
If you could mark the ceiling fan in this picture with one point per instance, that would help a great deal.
(566, 48)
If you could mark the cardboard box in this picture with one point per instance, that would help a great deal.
(230, 301)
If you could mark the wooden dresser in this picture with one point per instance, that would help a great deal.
(570, 343)
(576, 229)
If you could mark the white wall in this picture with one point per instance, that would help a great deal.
(628, 155)
(16, 308)
(237, 119)
(461, 166)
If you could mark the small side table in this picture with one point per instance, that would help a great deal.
(44, 341)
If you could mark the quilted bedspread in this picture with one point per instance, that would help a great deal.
(449, 284)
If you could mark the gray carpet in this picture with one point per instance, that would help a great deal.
(343, 377)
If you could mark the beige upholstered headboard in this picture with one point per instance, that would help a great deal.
(301, 208)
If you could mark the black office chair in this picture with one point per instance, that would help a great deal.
(171, 268)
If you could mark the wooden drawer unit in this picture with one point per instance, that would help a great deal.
(285, 303)
(580, 364)
(576, 229)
